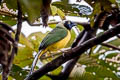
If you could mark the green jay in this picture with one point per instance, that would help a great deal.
(55, 40)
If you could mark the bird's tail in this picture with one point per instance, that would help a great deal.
(35, 61)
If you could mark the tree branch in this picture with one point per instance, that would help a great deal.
(74, 52)
(19, 26)
(110, 46)
(88, 33)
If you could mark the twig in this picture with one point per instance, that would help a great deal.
(110, 46)
(7, 13)
(55, 54)
(74, 52)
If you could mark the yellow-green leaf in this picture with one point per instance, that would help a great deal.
(36, 38)
(31, 8)
(24, 56)
(53, 10)
(61, 14)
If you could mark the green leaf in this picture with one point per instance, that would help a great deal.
(112, 55)
(52, 25)
(113, 1)
(24, 57)
(84, 76)
(101, 72)
(36, 38)
(53, 10)
(25, 41)
(32, 8)
(115, 42)
(80, 27)
(45, 78)
(87, 60)
(11, 4)
(61, 14)
(11, 23)
(107, 65)
(8, 20)
(57, 71)
(66, 7)
(18, 73)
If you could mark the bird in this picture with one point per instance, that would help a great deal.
(55, 40)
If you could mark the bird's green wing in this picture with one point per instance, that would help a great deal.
(55, 35)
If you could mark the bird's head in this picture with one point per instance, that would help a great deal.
(69, 24)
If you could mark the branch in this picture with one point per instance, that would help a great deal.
(74, 52)
(110, 46)
(88, 33)
(6, 42)
(55, 54)
(70, 64)
(7, 13)
(19, 26)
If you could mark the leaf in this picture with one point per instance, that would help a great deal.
(18, 73)
(113, 1)
(87, 60)
(52, 25)
(32, 8)
(96, 10)
(106, 5)
(12, 23)
(25, 41)
(85, 76)
(53, 10)
(101, 72)
(11, 4)
(45, 78)
(112, 55)
(24, 57)
(36, 38)
(61, 14)
(57, 71)
(115, 42)
(107, 65)
(66, 7)
(80, 27)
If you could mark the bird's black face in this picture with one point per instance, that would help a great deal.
(69, 24)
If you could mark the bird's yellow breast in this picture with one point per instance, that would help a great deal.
(60, 44)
